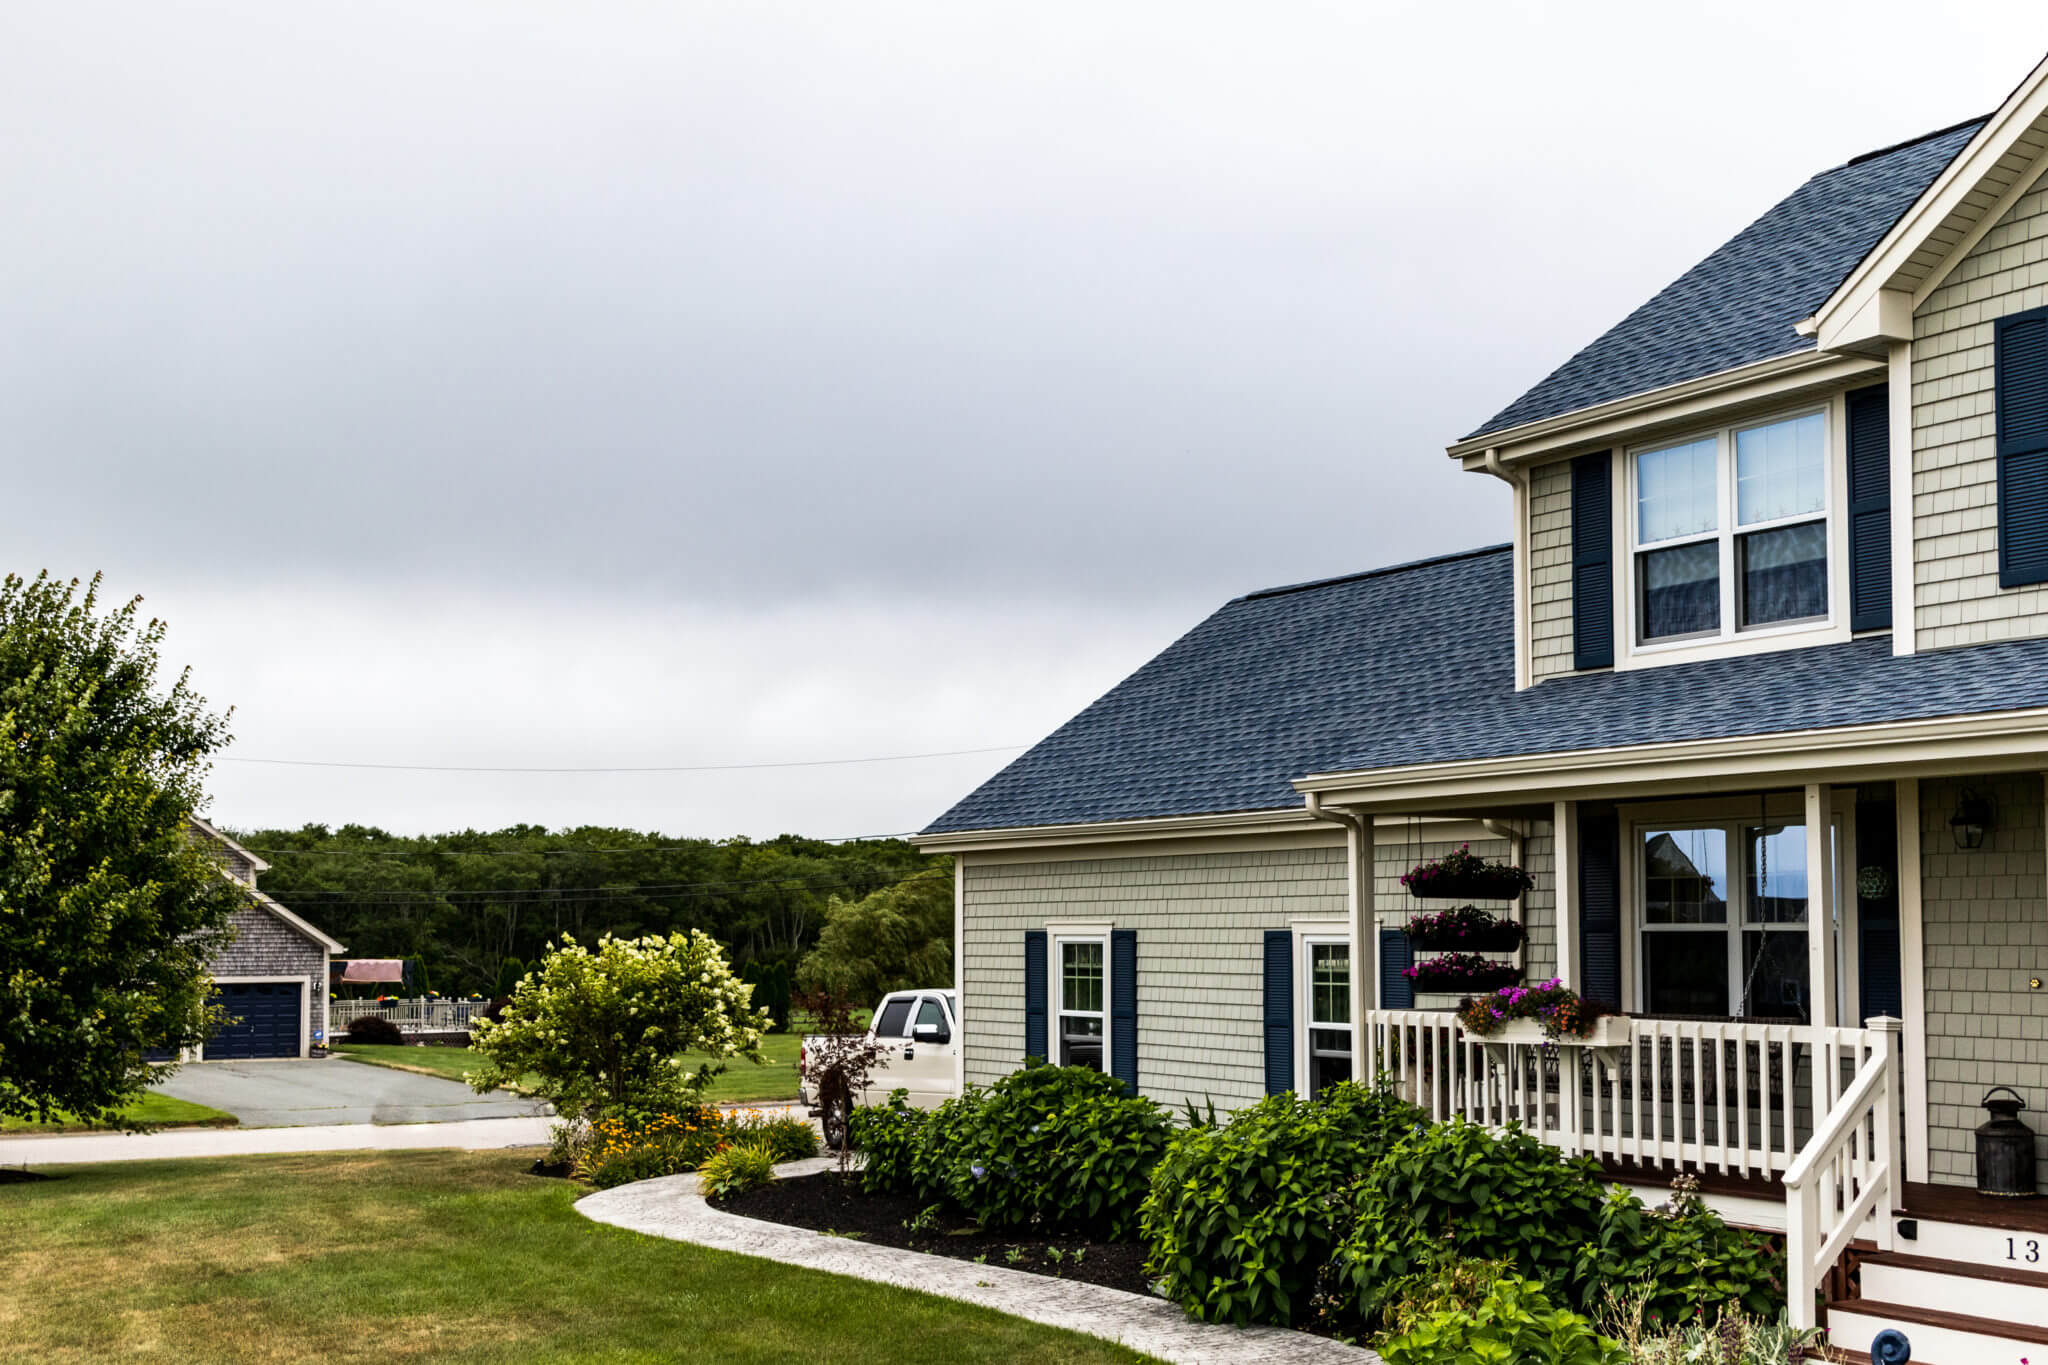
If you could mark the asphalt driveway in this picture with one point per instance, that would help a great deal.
(291, 1093)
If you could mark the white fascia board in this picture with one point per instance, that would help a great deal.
(296, 922)
(1294, 821)
(256, 864)
(2006, 741)
(1883, 316)
(1625, 420)
(1880, 267)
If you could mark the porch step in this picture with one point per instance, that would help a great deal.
(2004, 1292)
(1972, 1242)
(1936, 1334)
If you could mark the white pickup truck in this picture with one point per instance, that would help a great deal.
(919, 1032)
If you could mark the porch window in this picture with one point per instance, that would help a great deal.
(1724, 914)
(1731, 530)
(1328, 973)
(1083, 1021)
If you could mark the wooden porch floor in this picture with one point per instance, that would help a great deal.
(1961, 1204)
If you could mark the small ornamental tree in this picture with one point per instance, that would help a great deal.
(602, 1030)
(108, 909)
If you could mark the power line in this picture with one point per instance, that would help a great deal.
(688, 768)
(401, 901)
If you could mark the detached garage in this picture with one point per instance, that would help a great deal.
(271, 976)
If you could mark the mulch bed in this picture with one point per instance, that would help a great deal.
(829, 1202)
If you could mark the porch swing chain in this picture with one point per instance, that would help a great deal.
(1763, 874)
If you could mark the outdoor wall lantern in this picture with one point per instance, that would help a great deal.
(1972, 821)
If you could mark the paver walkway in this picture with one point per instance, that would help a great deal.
(671, 1207)
(80, 1148)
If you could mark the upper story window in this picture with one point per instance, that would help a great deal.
(1731, 530)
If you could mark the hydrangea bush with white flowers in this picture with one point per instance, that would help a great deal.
(601, 1030)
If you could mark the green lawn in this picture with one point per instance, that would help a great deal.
(743, 1082)
(428, 1256)
(152, 1108)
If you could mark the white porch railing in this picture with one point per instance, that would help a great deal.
(1814, 1108)
(411, 1016)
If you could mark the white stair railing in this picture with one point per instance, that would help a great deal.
(1847, 1178)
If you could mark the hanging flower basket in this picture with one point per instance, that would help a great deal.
(1467, 928)
(1551, 1010)
(1461, 973)
(1464, 875)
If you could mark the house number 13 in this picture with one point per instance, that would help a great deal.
(2012, 1251)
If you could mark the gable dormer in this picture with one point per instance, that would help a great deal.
(1852, 393)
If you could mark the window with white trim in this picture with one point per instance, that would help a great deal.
(1080, 1002)
(1730, 530)
(1326, 968)
(1724, 920)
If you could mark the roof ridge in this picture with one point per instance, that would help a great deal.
(1314, 583)
(1909, 142)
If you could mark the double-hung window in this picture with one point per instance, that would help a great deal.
(1724, 920)
(1326, 967)
(1083, 1019)
(1731, 530)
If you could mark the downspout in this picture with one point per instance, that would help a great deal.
(1364, 941)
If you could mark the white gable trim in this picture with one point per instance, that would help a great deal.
(256, 864)
(1858, 315)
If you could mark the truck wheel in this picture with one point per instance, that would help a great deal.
(838, 1118)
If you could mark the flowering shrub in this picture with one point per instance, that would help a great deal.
(600, 1030)
(1466, 927)
(1553, 1004)
(1457, 972)
(615, 1149)
(1462, 872)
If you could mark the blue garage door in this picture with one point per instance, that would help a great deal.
(263, 1021)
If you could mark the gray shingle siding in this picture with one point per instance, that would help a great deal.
(1201, 918)
(264, 945)
(1738, 306)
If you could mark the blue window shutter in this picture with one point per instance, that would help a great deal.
(1279, 1010)
(1035, 990)
(1593, 561)
(1397, 951)
(1600, 906)
(1123, 1007)
(2022, 395)
(1870, 508)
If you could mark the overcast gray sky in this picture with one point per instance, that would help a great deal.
(505, 384)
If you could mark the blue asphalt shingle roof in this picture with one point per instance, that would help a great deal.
(1415, 665)
(1738, 306)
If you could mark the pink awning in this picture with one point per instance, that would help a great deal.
(374, 969)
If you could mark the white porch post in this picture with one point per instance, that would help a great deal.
(1362, 848)
(1912, 977)
(1564, 845)
(1820, 904)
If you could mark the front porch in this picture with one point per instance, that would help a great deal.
(1742, 929)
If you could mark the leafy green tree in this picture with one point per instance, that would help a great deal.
(894, 939)
(601, 1031)
(108, 908)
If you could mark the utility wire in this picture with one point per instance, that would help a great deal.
(336, 899)
(703, 845)
(689, 768)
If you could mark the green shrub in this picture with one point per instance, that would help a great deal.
(1448, 1284)
(888, 1137)
(1241, 1219)
(374, 1029)
(1048, 1146)
(1732, 1338)
(732, 1170)
(788, 1137)
(1685, 1264)
(1516, 1324)
(1457, 1189)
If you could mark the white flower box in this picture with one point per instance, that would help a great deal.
(1609, 1030)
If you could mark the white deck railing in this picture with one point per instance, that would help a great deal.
(1847, 1177)
(411, 1016)
(1656, 1095)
